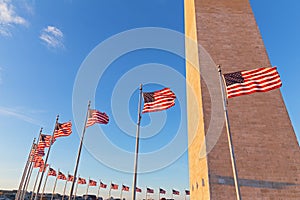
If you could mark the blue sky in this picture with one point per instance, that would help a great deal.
(46, 46)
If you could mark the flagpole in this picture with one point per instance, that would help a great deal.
(146, 193)
(54, 185)
(25, 170)
(36, 179)
(87, 189)
(121, 192)
(44, 184)
(76, 186)
(46, 160)
(233, 163)
(109, 192)
(98, 189)
(137, 143)
(27, 181)
(159, 194)
(65, 187)
(79, 150)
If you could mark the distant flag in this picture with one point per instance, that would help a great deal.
(103, 185)
(158, 100)
(81, 181)
(162, 191)
(38, 163)
(43, 167)
(45, 141)
(175, 192)
(64, 129)
(149, 190)
(114, 186)
(138, 189)
(61, 176)
(70, 177)
(187, 192)
(51, 172)
(256, 80)
(125, 188)
(96, 117)
(39, 152)
(92, 183)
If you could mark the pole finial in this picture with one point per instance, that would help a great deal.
(219, 68)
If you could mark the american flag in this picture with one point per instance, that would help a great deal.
(162, 191)
(149, 190)
(64, 129)
(158, 100)
(96, 116)
(81, 181)
(103, 185)
(39, 152)
(70, 177)
(114, 186)
(175, 192)
(45, 141)
(92, 183)
(51, 172)
(187, 192)
(247, 82)
(125, 188)
(61, 176)
(138, 189)
(38, 163)
(43, 167)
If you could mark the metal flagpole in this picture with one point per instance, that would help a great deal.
(99, 189)
(87, 188)
(79, 150)
(234, 170)
(25, 171)
(27, 181)
(36, 179)
(146, 193)
(76, 179)
(63, 196)
(37, 194)
(159, 194)
(46, 160)
(137, 144)
(121, 192)
(54, 185)
(109, 192)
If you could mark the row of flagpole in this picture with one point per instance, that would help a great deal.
(233, 84)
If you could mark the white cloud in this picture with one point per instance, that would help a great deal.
(52, 36)
(9, 18)
(18, 114)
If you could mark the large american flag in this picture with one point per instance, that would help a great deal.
(257, 80)
(51, 172)
(81, 181)
(125, 188)
(158, 100)
(63, 129)
(61, 176)
(149, 190)
(92, 183)
(103, 185)
(96, 116)
(175, 192)
(162, 191)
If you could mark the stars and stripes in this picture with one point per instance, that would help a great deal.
(45, 140)
(114, 186)
(149, 190)
(81, 181)
(175, 192)
(63, 129)
(43, 167)
(51, 172)
(138, 189)
(125, 188)
(102, 185)
(158, 100)
(248, 82)
(96, 116)
(61, 176)
(70, 177)
(162, 191)
(92, 183)
(187, 192)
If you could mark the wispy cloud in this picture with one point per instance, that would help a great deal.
(19, 115)
(9, 18)
(53, 37)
